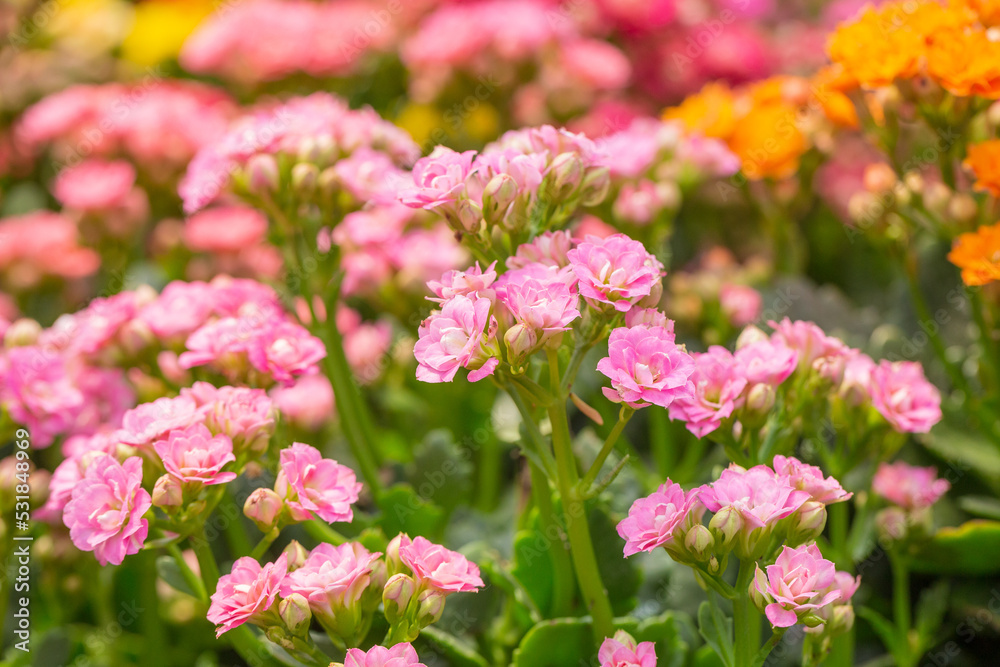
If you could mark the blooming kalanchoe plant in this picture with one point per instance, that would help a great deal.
(623, 651)
(661, 519)
(460, 335)
(901, 394)
(246, 594)
(313, 486)
(194, 455)
(615, 270)
(800, 582)
(646, 367)
(718, 382)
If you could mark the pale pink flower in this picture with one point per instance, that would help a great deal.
(460, 335)
(105, 512)
(648, 316)
(646, 367)
(550, 248)
(595, 64)
(910, 487)
(314, 486)
(308, 403)
(765, 362)
(332, 578)
(30, 241)
(856, 379)
(540, 301)
(70, 472)
(809, 341)
(615, 270)
(474, 280)
(653, 521)
(623, 651)
(180, 309)
(285, 351)
(641, 202)
(798, 583)
(98, 326)
(222, 343)
(95, 185)
(38, 391)
(246, 593)
(146, 423)
(902, 395)
(366, 347)
(246, 415)
(195, 455)
(846, 585)
(718, 381)
(225, 229)
(439, 178)
(400, 655)
(759, 495)
(809, 478)
(740, 304)
(437, 568)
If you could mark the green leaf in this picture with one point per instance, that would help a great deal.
(442, 470)
(717, 629)
(707, 657)
(969, 549)
(555, 643)
(986, 507)
(966, 452)
(404, 511)
(170, 572)
(533, 567)
(456, 651)
(885, 629)
(671, 649)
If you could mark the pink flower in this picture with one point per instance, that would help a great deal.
(316, 486)
(740, 304)
(222, 343)
(366, 348)
(909, 487)
(856, 379)
(460, 335)
(472, 281)
(596, 64)
(810, 479)
(284, 351)
(70, 472)
(105, 512)
(246, 593)
(646, 367)
(902, 395)
(615, 270)
(539, 301)
(768, 363)
(648, 316)
(622, 651)
(39, 391)
(759, 495)
(195, 455)
(809, 341)
(719, 381)
(652, 521)
(332, 577)
(180, 309)
(798, 583)
(246, 415)
(308, 403)
(846, 585)
(149, 422)
(550, 248)
(400, 655)
(225, 229)
(640, 203)
(437, 568)
(439, 178)
(30, 241)
(95, 185)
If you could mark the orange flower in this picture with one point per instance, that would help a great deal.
(708, 112)
(768, 141)
(988, 11)
(877, 48)
(978, 255)
(984, 161)
(827, 89)
(965, 62)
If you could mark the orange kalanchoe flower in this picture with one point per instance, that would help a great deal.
(988, 11)
(708, 112)
(965, 62)
(984, 161)
(978, 255)
(768, 141)
(874, 50)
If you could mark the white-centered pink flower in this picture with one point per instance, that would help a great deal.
(646, 367)
(437, 568)
(195, 455)
(312, 485)
(615, 270)
(460, 335)
(246, 593)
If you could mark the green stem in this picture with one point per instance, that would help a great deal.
(746, 618)
(265, 542)
(588, 574)
(990, 353)
(322, 532)
(153, 632)
(900, 594)
(535, 439)
(206, 560)
(765, 651)
(192, 580)
(563, 587)
(595, 468)
(837, 514)
(661, 443)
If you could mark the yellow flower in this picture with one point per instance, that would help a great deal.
(161, 28)
(978, 255)
(984, 161)
(709, 112)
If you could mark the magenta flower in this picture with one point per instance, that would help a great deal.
(653, 521)
(910, 487)
(798, 583)
(758, 495)
(810, 479)
(105, 512)
(615, 270)
(622, 651)
(471, 282)
(439, 178)
(902, 395)
(146, 423)
(285, 351)
(316, 486)
(195, 455)
(718, 382)
(768, 363)
(246, 593)
(332, 577)
(437, 568)
(646, 367)
(460, 335)
(400, 655)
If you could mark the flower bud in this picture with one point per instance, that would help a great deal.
(262, 174)
(842, 619)
(263, 507)
(914, 182)
(811, 621)
(652, 300)
(393, 562)
(761, 399)
(430, 609)
(567, 174)
(808, 523)
(749, 336)
(295, 614)
(760, 583)
(498, 195)
(725, 526)
(304, 178)
(296, 555)
(699, 542)
(167, 492)
(396, 597)
(328, 182)
(595, 186)
(470, 216)
(22, 332)
(520, 341)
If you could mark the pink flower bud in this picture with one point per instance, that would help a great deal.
(295, 614)
(431, 606)
(296, 555)
(167, 492)
(262, 174)
(699, 542)
(396, 596)
(263, 507)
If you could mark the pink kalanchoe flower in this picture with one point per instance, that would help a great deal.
(437, 568)
(308, 403)
(246, 593)
(33, 239)
(95, 185)
(910, 487)
(225, 229)
(332, 577)
(765, 362)
(646, 367)
(550, 248)
(902, 395)
(312, 485)
(740, 304)
(856, 379)
(809, 478)
(246, 415)
(366, 348)
(70, 472)
(285, 351)
(648, 316)
(38, 390)
(718, 382)
(473, 281)
(546, 306)
(809, 341)
(460, 335)
(195, 455)
(439, 178)
(180, 309)
(653, 520)
(400, 655)
(149, 422)
(798, 583)
(759, 495)
(105, 512)
(223, 343)
(846, 585)
(615, 270)
(623, 651)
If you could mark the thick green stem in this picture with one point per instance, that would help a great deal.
(321, 531)
(582, 548)
(746, 618)
(900, 593)
(842, 649)
(623, 416)
(265, 542)
(192, 580)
